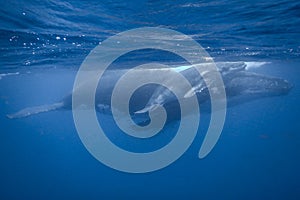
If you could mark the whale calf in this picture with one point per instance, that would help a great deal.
(238, 82)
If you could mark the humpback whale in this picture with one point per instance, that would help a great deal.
(238, 83)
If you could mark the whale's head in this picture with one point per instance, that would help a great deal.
(258, 85)
(278, 86)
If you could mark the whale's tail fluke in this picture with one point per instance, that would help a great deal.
(35, 110)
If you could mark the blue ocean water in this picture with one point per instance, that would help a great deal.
(43, 43)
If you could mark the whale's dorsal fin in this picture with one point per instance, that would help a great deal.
(35, 110)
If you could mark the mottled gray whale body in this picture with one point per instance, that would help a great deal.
(239, 84)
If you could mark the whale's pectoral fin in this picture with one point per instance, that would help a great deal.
(141, 117)
(147, 109)
(190, 93)
(35, 110)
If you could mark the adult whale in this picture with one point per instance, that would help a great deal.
(240, 85)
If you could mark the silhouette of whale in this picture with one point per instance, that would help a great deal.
(238, 81)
